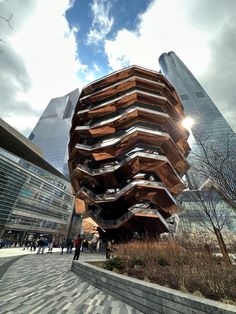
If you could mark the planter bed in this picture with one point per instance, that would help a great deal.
(147, 297)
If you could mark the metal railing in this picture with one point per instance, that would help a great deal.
(109, 222)
(106, 197)
(136, 209)
(111, 117)
(117, 139)
(110, 167)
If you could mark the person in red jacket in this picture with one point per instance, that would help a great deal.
(77, 244)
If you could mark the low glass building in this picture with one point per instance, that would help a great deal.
(35, 199)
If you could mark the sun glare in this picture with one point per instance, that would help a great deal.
(188, 123)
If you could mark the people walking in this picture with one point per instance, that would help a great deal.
(93, 243)
(40, 246)
(63, 244)
(77, 244)
(98, 245)
(50, 246)
(108, 249)
(46, 242)
(85, 246)
(69, 246)
(25, 244)
(33, 245)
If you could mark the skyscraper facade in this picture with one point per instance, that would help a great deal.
(51, 133)
(211, 127)
(197, 104)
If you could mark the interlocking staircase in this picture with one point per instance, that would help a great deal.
(127, 152)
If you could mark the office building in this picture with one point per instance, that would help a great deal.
(197, 104)
(51, 133)
(35, 198)
(127, 152)
(209, 123)
(198, 216)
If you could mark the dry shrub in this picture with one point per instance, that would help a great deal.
(188, 267)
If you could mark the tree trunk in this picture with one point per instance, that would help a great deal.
(222, 245)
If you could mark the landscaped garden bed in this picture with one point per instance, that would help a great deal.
(187, 268)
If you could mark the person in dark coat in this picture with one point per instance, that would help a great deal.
(77, 244)
(85, 246)
(40, 246)
(62, 245)
(69, 246)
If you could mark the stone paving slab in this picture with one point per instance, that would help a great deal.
(5, 263)
(44, 283)
(4, 260)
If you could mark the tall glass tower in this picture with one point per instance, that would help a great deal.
(209, 123)
(197, 104)
(51, 132)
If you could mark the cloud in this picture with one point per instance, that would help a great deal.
(39, 59)
(220, 75)
(163, 26)
(200, 32)
(96, 67)
(14, 80)
(102, 22)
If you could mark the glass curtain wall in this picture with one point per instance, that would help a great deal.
(51, 133)
(33, 201)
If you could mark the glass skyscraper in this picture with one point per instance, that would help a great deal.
(51, 133)
(197, 104)
(209, 123)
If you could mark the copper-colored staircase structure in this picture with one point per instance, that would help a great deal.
(127, 152)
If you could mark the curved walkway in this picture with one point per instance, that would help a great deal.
(45, 284)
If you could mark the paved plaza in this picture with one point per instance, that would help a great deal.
(44, 283)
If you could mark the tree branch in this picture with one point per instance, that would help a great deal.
(8, 20)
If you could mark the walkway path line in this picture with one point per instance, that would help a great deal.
(44, 283)
(4, 267)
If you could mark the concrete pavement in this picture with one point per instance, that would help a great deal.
(12, 251)
(44, 283)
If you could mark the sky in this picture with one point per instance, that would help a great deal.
(50, 47)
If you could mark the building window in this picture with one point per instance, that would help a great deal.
(68, 111)
(184, 97)
(32, 136)
(200, 94)
(48, 116)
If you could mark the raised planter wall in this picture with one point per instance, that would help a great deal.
(147, 297)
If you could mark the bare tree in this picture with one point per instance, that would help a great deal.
(207, 208)
(216, 160)
(6, 19)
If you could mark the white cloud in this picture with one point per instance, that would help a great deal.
(39, 59)
(48, 56)
(102, 22)
(163, 27)
(189, 28)
(96, 67)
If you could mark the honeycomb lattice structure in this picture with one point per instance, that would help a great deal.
(127, 152)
